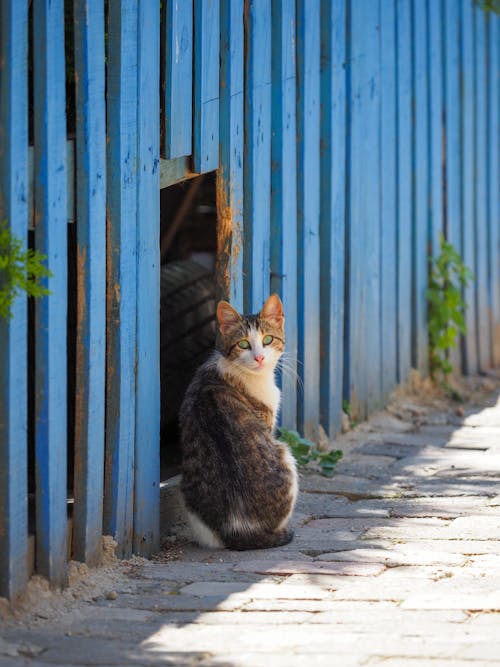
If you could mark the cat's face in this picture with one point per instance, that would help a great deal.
(253, 342)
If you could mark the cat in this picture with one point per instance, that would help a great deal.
(239, 483)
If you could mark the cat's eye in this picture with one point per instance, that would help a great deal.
(267, 340)
(244, 344)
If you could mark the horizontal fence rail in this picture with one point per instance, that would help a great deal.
(347, 135)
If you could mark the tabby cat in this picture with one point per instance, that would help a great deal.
(238, 482)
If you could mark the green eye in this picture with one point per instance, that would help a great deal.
(244, 344)
(267, 340)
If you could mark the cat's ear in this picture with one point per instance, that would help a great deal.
(272, 311)
(227, 317)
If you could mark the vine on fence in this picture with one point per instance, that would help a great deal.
(446, 306)
(21, 270)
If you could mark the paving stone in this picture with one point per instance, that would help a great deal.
(282, 659)
(466, 601)
(475, 527)
(328, 505)
(264, 591)
(317, 567)
(348, 485)
(393, 558)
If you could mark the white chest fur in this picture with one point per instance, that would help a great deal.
(261, 386)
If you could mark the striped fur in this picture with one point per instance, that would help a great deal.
(238, 482)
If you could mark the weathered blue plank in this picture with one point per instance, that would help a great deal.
(13, 334)
(435, 32)
(332, 211)
(206, 85)
(284, 194)
(420, 219)
(257, 157)
(494, 180)
(451, 64)
(178, 78)
(51, 240)
(147, 420)
(231, 137)
(468, 183)
(121, 272)
(388, 200)
(481, 191)
(404, 186)
(308, 210)
(91, 280)
(364, 217)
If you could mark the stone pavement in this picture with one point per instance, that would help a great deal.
(395, 562)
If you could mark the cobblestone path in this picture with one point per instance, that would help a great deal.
(395, 562)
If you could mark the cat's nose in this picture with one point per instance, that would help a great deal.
(259, 358)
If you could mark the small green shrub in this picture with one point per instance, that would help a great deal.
(446, 306)
(21, 270)
(305, 451)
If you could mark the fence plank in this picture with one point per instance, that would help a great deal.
(452, 132)
(147, 424)
(308, 210)
(284, 194)
(91, 277)
(364, 221)
(435, 73)
(388, 212)
(121, 272)
(206, 85)
(468, 184)
(404, 185)
(481, 192)
(178, 78)
(420, 222)
(13, 333)
(494, 181)
(257, 159)
(51, 240)
(332, 211)
(231, 137)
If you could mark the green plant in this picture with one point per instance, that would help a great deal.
(346, 407)
(489, 5)
(305, 451)
(21, 270)
(446, 306)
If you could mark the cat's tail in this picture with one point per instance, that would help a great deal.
(244, 542)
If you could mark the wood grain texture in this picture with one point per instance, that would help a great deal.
(388, 197)
(453, 154)
(121, 272)
(231, 138)
(420, 218)
(332, 211)
(404, 186)
(284, 194)
(91, 280)
(206, 85)
(308, 211)
(178, 103)
(364, 210)
(470, 362)
(51, 240)
(146, 538)
(481, 191)
(257, 156)
(494, 180)
(13, 333)
(435, 112)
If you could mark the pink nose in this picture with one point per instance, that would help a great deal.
(259, 358)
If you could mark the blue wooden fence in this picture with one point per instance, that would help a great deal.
(347, 134)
